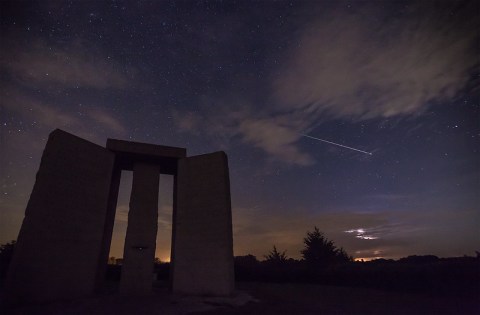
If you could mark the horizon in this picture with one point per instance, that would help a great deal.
(360, 259)
(359, 118)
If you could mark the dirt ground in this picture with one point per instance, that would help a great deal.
(266, 298)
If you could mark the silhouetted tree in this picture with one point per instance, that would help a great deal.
(246, 260)
(6, 253)
(419, 259)
(319, 251)
(343, 256)
(247, 268)
(275, 256)
(161, 269)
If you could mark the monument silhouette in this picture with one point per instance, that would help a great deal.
(64, 242)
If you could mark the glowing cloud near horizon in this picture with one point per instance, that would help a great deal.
(360, 233)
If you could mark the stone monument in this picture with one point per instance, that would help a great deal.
(63, 245)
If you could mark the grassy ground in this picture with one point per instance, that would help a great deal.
(269, 298)
(318, 299)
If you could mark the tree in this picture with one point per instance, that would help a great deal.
(343, 256)
(247, 260)
(319, 251)
(6, 254)
(275, 256)
(247, 268)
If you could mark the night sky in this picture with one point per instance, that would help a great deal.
(397, 79)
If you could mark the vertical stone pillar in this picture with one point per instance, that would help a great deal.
(140, 241)
(108, 228)
(202, 227)
(59, 245)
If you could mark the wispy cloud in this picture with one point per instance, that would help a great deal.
(67, 67)
(388, 234)
(107, 120)
(273, 135)
(276, 139)
(288, 229)
(187, 121)
(36, 84)
(364, 64)
(47, 117)
(36, 111)
(356, 65)
(362, 233)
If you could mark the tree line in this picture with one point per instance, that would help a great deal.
(324, 263)
(319, 251)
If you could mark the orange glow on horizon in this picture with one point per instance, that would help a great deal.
(163, 258)
(367, 258)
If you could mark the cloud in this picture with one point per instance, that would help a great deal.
(34, 78)
(366, 65)
(349, 65)
(287, 230)
(48, 116)
(186, 121)
(73, 65)
(38, 112)
(106, 119)
(276, 139)
(383, 234)
(276, 135)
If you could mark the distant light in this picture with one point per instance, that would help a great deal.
(368, 258)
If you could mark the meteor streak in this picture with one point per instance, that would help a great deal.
(340, 145)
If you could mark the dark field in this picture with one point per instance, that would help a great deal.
(417, 285)
(268, 298)
(321, 299)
